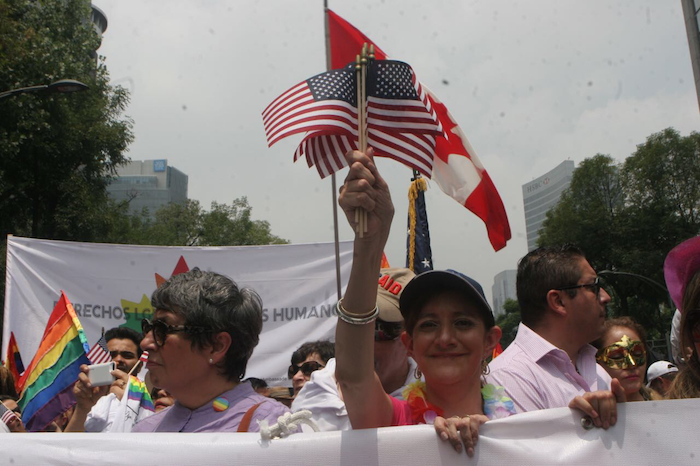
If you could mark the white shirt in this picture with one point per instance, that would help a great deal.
(102, 415)
(320, 396)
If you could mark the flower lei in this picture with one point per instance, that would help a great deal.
(422, 411)
(496, 404)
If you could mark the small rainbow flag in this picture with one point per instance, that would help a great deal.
(139, 392)
(14, 361)
(47, 384)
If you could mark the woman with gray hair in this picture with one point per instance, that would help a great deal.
(203, 332)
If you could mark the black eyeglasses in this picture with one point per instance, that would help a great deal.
(306, 368)
(161, 330)
(123, 354)
(387, 331)
(595, 286)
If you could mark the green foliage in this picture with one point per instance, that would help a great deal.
(627, 217)
(509, 322)
(55, 149)
(189, 224)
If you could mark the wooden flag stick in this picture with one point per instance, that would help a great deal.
(360, 213)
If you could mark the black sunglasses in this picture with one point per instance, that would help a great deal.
(161, 330)
(306, 368)
(595, 286)
(387, 331)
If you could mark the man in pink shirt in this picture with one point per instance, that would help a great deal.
(551, 364)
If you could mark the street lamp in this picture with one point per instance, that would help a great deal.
(63, 86)
(644, 279)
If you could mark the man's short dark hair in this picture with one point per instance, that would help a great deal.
(125, 333)
(324, 348)
(546, 268)
(215, 302)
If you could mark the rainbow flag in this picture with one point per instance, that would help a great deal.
(47, 384)
(14, 361)
(136, 405)
(139, 392)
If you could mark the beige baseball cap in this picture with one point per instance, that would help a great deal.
(392, 281)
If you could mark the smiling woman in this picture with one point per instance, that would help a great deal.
(203, 332)
(450, 332)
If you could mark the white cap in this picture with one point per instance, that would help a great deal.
(658, 369)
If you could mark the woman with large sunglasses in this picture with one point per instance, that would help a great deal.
(307, 359)
(449, 330)
(203, 332)
(622, 352)
(682, 274)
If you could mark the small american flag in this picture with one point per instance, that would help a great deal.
(327, 103)
(99, 353)
(7, 415)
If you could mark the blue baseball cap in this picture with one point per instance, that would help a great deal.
(437, 281)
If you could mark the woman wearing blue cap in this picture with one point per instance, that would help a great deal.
(450, 331)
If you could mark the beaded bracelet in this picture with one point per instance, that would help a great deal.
(351, 319)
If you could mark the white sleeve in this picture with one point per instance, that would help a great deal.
(101, 416)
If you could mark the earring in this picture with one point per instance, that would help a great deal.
(417, 373)
(485, 369)
(211, 361)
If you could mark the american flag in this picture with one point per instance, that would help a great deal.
(7, 415)
(327, 151)
(326, 105)
(99, 353)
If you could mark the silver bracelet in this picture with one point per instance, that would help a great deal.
(350, 319)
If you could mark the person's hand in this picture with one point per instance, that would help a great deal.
(121, 380)
(460, 431)
(86, 395)
(16, 425)
(365, 188)
(601, 406)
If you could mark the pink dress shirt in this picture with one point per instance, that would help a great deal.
(538, 375)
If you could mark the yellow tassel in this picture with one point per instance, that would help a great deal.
(419, 184)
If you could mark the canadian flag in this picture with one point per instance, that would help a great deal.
(456, 168)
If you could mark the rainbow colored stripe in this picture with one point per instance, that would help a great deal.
(48, 382)
(139, 392)
(14, 361)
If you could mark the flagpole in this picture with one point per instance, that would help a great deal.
(334, 189)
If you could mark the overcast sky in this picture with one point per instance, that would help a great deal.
(531, 83)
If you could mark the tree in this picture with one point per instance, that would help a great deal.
(588, 212)
(509, 322)
(55, 150)
(628, 217)
(189, 224)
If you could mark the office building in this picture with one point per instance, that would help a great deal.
(149, 184)
(691, 15)
(542, 194)
(503, 288)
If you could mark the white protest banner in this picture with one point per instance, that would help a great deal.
(663, 432)
(110, 285)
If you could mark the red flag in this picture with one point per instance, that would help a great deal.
(14, 361)
(455, 168)
(346, 41)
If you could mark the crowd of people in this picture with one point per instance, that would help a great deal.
(408, 349)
